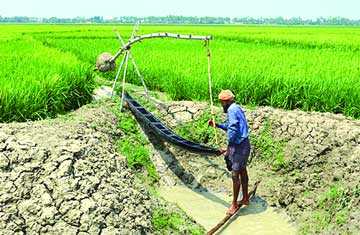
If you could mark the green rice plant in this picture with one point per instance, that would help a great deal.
(309, 68)
(289, 78)
(38, 82)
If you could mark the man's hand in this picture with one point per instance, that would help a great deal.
(223, 152)
(211, 123)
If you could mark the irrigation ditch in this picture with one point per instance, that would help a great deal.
(308, 163)
(71, 175)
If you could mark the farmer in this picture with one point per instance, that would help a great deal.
(238, 149)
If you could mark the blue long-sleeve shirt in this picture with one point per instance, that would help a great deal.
(236, 125)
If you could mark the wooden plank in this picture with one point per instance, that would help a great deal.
(227, 217)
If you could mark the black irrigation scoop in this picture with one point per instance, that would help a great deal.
(164, 132)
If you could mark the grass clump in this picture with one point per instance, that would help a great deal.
(199, 131)
(165, 221)
(266, 148)
(133, 145)
(332, 210)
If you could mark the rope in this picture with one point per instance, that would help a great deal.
(123, 81)
(210, 88)
(140, 75)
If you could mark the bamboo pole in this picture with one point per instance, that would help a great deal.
(134, 64)
(210, 89)
(227, 217)
(117, 75)
(156, 35)
(125, 59)
(123, 81)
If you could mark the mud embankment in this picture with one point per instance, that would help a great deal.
(62, 176)
(66, 176)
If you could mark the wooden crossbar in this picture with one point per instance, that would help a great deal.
(156, 35)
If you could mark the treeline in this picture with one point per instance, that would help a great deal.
(185, 20)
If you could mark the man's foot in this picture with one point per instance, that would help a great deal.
(244, 201)
(233, 208)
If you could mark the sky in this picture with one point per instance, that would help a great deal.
(229, 8)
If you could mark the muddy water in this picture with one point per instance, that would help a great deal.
(208, 209)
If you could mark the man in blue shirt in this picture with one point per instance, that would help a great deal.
(238, 149)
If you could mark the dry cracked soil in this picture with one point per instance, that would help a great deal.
(64, 176)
